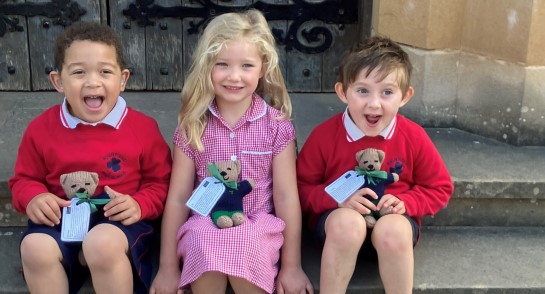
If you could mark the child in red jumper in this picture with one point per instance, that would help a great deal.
(93, 130)
(374, 83)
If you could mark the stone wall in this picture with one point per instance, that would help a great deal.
(479, 64)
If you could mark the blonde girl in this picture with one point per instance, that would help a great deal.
(235, 106)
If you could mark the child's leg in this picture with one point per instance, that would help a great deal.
(392, 237)
(41, 258)
(210, 282)
(105, 249)
(240, 285)
(345, 233)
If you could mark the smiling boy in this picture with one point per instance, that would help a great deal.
(93, 130)
(374, 82)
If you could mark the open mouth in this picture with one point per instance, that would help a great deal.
(372, 119)
(93, 101)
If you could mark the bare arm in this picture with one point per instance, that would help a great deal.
(174, 216)
(291, 278)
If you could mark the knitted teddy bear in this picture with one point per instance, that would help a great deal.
(369, 162)
(83, 184)
(228, 211)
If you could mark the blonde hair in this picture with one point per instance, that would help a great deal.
(198, 91)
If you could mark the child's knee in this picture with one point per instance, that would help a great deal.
(104, 246)
(393, 233)
(40, 249)
(345, 227)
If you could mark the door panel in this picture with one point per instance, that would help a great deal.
(159, 37)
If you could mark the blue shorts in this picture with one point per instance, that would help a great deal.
(139, 235)
(367, 251)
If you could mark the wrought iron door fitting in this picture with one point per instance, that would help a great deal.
(317, 39)
(62, 12)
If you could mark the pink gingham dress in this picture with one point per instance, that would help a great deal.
(251, 250)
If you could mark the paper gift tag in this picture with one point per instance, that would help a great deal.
(206, 196)
(345, 186)
(75, 221)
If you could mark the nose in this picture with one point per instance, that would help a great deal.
(371, 167)
(374, 100)
(234, 74)
(93, 80)
(81, 190)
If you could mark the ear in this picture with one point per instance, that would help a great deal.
(63, 178)
(207, 172)
(340, 92)
(263, 69)
(94, 176)
(359, 154)
(237, 164)
(407, 97)
(55, 78)
(380, 156)
(124, 78)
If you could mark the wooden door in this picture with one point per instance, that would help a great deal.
(160, 35)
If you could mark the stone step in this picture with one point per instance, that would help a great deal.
(447, 260)
(496, 184)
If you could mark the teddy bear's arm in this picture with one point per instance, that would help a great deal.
(246, 186)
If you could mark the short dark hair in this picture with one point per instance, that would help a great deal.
(377, 52)
(87, 31)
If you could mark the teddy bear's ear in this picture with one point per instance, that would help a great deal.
(237, 165)
(381, 155)
(207, 172)
(359, 154)
(63, 178)
(94, 176)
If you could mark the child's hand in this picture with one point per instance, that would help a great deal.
(359, 203)
(166, 281)
(293, 280)
(122, 208)
(389, 200)
(45, 209)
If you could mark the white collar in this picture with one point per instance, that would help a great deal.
(353, 133)
(257, 109)
(113, 119)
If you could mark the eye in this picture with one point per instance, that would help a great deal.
(73, 186)
(87, 184)
(362, 91)
(388, 92)
(366, 161)
(106, 71)
(78, 72)
(247, 65)
(221, 64)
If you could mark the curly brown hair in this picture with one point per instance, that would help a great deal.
(87, 31)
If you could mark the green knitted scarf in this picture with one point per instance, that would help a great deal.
(372, 176)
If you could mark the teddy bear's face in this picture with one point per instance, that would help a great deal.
(370, 159)
(229, 170)
(79, 182)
